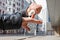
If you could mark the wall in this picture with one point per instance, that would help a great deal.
(11, 6)
(54, 11)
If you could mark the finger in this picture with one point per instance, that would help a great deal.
(26, 27)
(33, 15)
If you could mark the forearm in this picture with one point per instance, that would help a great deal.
(29, 19)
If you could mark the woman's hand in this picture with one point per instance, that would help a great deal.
(36, 7)
(33, 9)
(29, 19)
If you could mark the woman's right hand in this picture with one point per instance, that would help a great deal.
(29, 19)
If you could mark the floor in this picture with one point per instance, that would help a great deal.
(20, 37)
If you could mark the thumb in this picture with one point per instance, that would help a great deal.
(32, 16)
